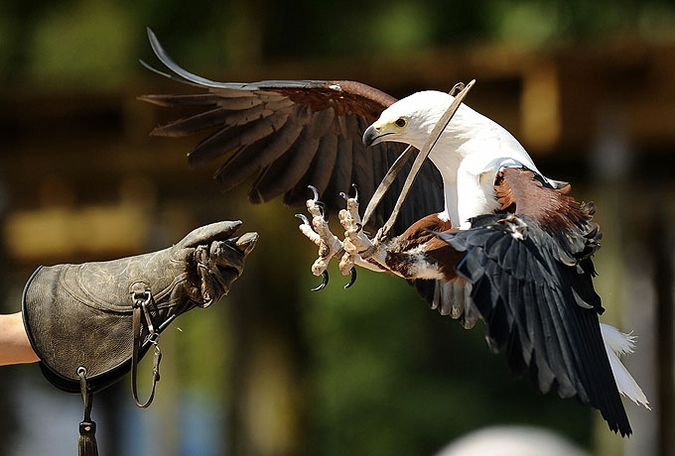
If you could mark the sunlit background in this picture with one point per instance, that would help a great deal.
(273, 369)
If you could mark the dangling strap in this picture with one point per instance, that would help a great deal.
(141, 298)
(86, 445)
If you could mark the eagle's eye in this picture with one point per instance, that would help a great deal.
(401, 122)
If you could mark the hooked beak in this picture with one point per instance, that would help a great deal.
(371, 136)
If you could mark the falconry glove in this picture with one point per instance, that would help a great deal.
(91, 323)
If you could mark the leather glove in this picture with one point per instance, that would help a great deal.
(92, 322)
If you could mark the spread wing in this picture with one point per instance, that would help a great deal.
(291, 134)
(531, 282)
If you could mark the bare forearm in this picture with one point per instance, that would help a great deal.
(15, 347)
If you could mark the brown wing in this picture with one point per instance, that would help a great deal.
(291, 134)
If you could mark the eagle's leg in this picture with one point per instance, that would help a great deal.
(359, 248)
(319, 232)
(415, 254)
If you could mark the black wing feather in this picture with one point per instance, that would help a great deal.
(449, 299)
(541, 309)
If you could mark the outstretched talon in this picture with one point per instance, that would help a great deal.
(318, 231)
(356, 243)
(356, 249)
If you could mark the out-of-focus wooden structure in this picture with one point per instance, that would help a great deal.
(82, 179)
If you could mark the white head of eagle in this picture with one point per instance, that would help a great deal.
(468, 154)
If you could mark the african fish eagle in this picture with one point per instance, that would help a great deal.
(482, 235)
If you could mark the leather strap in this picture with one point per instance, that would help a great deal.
(141, 297)
(86, 444)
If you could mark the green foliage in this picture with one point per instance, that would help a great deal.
(87, 43)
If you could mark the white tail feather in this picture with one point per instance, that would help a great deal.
(617, 344)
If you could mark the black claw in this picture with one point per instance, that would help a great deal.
(304, 218)
(352, 280)
(324, 209)
(323, 283)
(315, 192)
(356, 191)
(321, 204)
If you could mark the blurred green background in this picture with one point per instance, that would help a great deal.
(588, 87)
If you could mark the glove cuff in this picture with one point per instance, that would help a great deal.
(69, 326)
